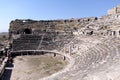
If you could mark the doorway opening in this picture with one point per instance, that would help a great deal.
(27, 31)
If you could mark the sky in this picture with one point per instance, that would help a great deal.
(51, 9)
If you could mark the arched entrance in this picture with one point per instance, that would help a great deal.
(27, 31)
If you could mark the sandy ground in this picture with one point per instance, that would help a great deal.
(36, 67)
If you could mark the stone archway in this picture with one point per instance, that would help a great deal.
(27, 31)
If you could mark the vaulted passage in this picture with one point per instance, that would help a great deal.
(27, 31)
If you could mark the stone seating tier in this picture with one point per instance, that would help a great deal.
(31, 42)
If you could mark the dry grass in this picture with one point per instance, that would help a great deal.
(36, 67)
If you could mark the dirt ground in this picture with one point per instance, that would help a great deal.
(36, 67)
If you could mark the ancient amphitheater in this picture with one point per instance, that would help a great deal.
(91, 45)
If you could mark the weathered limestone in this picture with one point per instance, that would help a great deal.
(56, 33)
(39, 27)
(93, 44)
(115, 10)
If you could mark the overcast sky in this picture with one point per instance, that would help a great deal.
(51, 9)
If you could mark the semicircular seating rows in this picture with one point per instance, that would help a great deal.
(96, 58)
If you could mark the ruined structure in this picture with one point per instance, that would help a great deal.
(91, 45)
(115, 10)
(53, 33)
(56, 33)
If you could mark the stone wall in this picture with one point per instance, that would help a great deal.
(42, 26)
(115, 10)
(112, 11)
(65, 27)
(54, 34)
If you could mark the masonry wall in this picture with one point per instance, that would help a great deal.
(115, 10)
(112, 11)
(44, 34)
(39, 27)
(54, 34)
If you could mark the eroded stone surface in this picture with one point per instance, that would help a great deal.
(93, 44)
